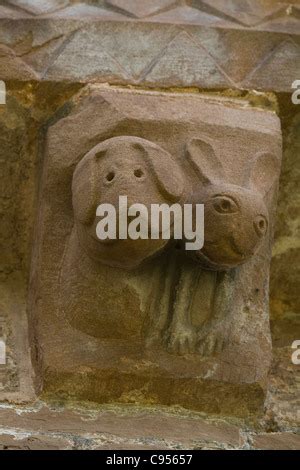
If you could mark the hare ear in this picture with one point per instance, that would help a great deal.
(166, 171)
(204, 161)
(264, 172)
(84, 190)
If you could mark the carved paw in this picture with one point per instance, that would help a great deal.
(213, 343)
(182, 341)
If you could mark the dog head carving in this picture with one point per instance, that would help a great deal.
(123, 166)
(236, 218)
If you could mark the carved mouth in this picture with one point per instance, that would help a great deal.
(236, 249)
(231, 250)
(231, 247)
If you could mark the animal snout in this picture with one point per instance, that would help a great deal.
(124, 175)
(260, 225)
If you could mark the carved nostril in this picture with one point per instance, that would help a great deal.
(260, 225)
(110, 176)
(138, 173)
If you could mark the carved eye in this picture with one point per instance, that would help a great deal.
(225, 205)
(110, 176)
(138, 173)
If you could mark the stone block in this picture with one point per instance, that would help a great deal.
(277, 441)
(150, 324)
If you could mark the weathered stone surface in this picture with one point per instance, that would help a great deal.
(123, 424)
(185, 14)
(16, 375)
(16, 219)
(283, 404)
(258, 15)
(247, 13)
(38, 7)
(86, 12)
(107, 346)
(11, 442)
(284, 285)
(197, 66)
(277, 441)
(125, 427)
(140, 9)
(20, 121)
(14, 128)
(6, 12)
(285, 59)
(176, 46)
(282, 407)
(122, 428)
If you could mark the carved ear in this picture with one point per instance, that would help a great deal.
(166, 171)
(204, 161)
(264, 172)
(84, 190)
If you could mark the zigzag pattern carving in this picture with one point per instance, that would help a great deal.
(268, 15)
(224, 50)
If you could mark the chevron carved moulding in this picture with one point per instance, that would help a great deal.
(161, 43)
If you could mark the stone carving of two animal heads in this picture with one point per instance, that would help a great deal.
(236, 217)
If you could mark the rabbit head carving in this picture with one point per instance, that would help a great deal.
(236, 218)
(122, 166)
